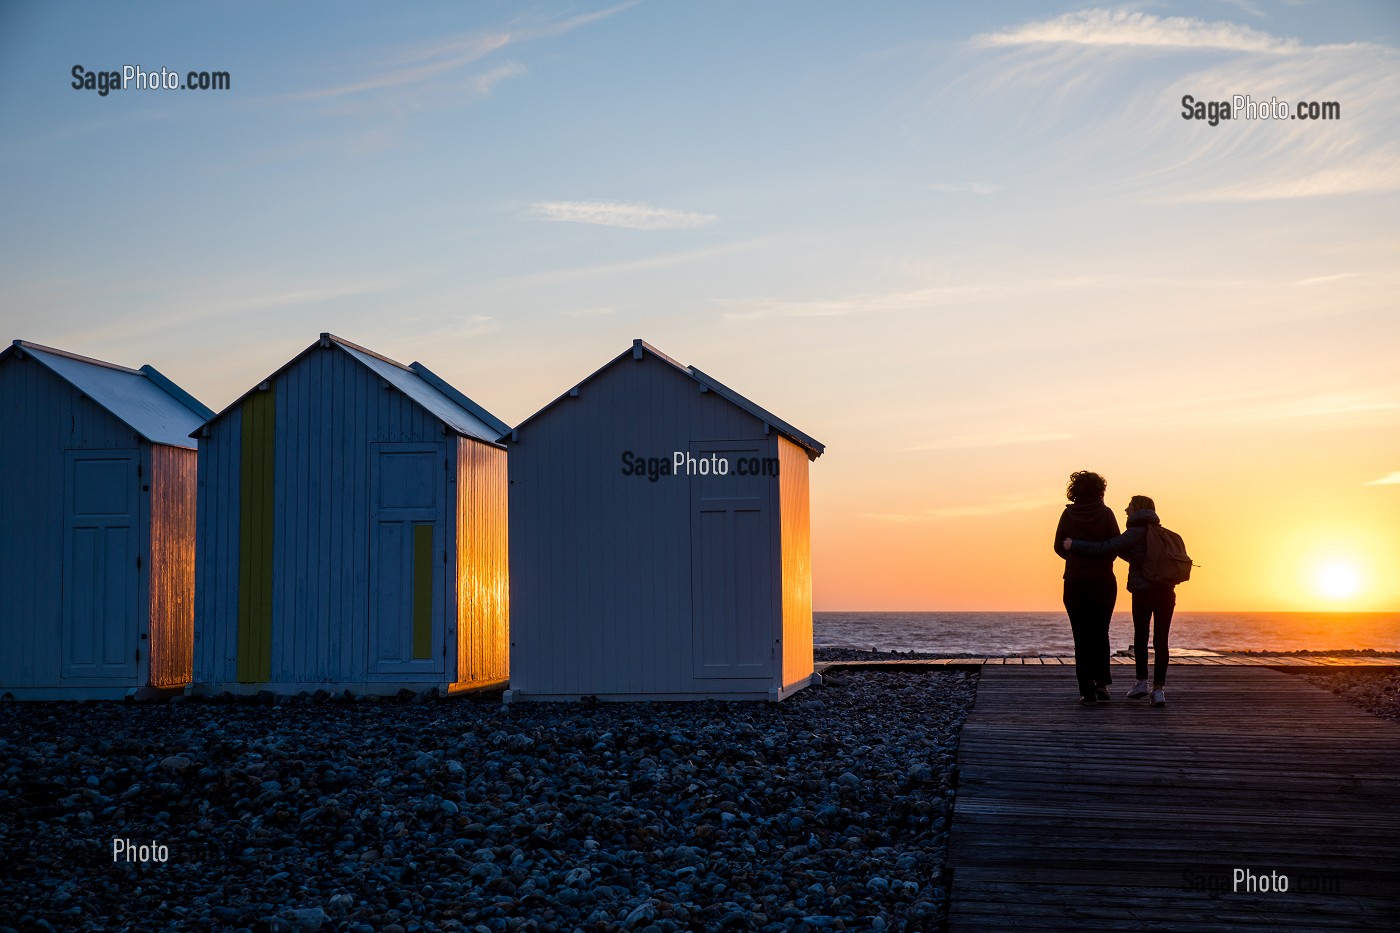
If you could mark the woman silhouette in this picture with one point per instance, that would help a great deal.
(1090, 586)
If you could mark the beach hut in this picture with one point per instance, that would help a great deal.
(97, 493)
(352, 533)
(659, 543)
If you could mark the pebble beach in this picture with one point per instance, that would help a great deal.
(829, 810)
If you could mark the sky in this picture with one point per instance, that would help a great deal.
(971, 250)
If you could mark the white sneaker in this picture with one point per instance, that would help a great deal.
(1159, 697)
(1140, 690)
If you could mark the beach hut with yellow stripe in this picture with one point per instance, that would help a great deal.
(351, 533)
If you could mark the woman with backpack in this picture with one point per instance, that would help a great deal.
(1151, 598)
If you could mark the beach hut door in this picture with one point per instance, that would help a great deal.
(408, 575)
(731, 562)
(101, 569)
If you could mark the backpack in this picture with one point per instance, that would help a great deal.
(1167, 562)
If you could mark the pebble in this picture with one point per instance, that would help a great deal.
(437, 815)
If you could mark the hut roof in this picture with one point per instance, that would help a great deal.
(640, 348)
(142, 399)
(417, 382)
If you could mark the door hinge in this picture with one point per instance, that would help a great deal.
(138, 561)
(139, 474)
(138, 654)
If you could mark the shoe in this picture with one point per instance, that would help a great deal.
(1159, 697)
(1101, 694)
(1140, 690)
(1088, 700)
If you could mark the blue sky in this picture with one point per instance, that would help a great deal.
(968, 249)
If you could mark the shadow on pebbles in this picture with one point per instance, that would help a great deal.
(829, 810)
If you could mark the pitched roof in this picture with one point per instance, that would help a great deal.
(142, 399)
(417, 382)
(640, 348)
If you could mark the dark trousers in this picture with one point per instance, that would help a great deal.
(1090, 607)
(1159, 602)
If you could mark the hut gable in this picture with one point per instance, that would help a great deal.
(641, 350)
(416, 382)
(143, 400)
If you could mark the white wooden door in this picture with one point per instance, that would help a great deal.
(733, 624)
(101, 567)
(407, 578)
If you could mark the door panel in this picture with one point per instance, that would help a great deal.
(733, 624)
(408, 575)
(101, 573)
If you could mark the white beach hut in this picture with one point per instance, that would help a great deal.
(352, 533)
(97, 490)
(659, 543)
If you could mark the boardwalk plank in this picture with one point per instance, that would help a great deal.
(1128, 817)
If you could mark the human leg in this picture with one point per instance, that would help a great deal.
(1080, 610)
(1163, 609)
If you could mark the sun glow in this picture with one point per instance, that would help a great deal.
(1338, 580)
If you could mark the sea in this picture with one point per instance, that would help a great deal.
(1007, 633)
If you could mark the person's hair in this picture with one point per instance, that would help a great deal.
(1138, 503)
(1085, 486)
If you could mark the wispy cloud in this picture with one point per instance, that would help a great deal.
(1123, 28)
(966, 187)
(1005, 438)
(633, 216)
(436, 70)
(1390, 479)
(1044, 73)
(961, 511)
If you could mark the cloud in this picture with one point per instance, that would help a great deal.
(432, 68)
(1121, 28)
(1390, 479)
(968, 187)
(633, 216)
(1006, 438)
(589, 312)
(1075, 87)
(961, 511)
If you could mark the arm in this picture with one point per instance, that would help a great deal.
(1060, 537)
(1113, 546)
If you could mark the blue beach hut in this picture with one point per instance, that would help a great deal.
(97, 490)
(352, 532)
(659, 541)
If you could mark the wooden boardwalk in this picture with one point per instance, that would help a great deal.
(1191, 657)
(1126, 817)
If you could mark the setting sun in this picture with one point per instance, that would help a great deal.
(1338, 580)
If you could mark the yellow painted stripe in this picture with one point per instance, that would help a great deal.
(422, 592)
(256, 513)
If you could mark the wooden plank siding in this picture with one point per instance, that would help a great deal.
(600, 562)
(483, 566)
(173, 495)
(796, 556)
(1126, 817)
(257, 478)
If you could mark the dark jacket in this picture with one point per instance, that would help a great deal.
(1131, 545)
(1091, 521)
